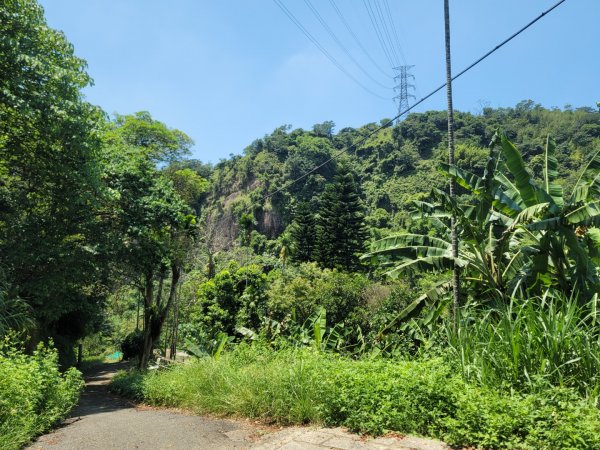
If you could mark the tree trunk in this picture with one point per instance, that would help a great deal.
(175, 331)
(173, 347)
(161, 281)
(211, 265)
(148, 316)
(137, 315)
(157, 316)
(79, 354)
(456, 271)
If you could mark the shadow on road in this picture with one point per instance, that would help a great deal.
(96, 398)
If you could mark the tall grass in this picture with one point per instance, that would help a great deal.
(295, 386)
(530, 344)
(256, 383)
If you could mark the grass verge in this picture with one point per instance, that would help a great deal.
(368, 396)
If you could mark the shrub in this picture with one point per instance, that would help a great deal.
(34, 395)
(428, 398)
(133, 344)
(303, 291)
(233, 298)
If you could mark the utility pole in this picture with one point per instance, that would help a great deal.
(402, 88)
(456, 271)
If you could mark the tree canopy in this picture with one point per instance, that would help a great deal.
(51, 188)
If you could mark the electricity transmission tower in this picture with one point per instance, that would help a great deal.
(402, 88)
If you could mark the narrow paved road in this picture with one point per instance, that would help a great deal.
(105, 421)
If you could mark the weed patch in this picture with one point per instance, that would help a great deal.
(425, 397)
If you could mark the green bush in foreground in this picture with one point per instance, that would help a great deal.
(370, 396)
(34, 395)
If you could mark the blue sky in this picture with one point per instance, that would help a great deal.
(229, 71)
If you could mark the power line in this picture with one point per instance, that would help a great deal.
(386, 32)
(391, 121)
(353, 34)
(385, 28)
(378, 32)
(291, 16)
(339, 43)
(394, 29)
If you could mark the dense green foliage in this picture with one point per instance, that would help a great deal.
(15, 314)
(233, 298)
(34, 395)
(109, 234)
(303, 233)
(132, 345)
(49, 146)
(374, 396)
(150, 223)
(83, 203)
(517, 237)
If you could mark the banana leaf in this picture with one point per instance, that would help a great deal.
(551, 172)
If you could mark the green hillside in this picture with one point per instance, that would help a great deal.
(394, 167)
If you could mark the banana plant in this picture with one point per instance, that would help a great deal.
(516, 235)
(562, 232)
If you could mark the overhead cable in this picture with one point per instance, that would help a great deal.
(355, 37)
(386, 32)
(322, 49)
(401, 113)
(394, 30)
(378, 33)
(340, 44)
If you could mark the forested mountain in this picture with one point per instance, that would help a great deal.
(392, 168)
(315, 261)
(90, 204)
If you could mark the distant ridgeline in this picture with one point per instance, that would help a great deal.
(392, 168)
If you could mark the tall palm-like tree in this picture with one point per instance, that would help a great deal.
(454, 234)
